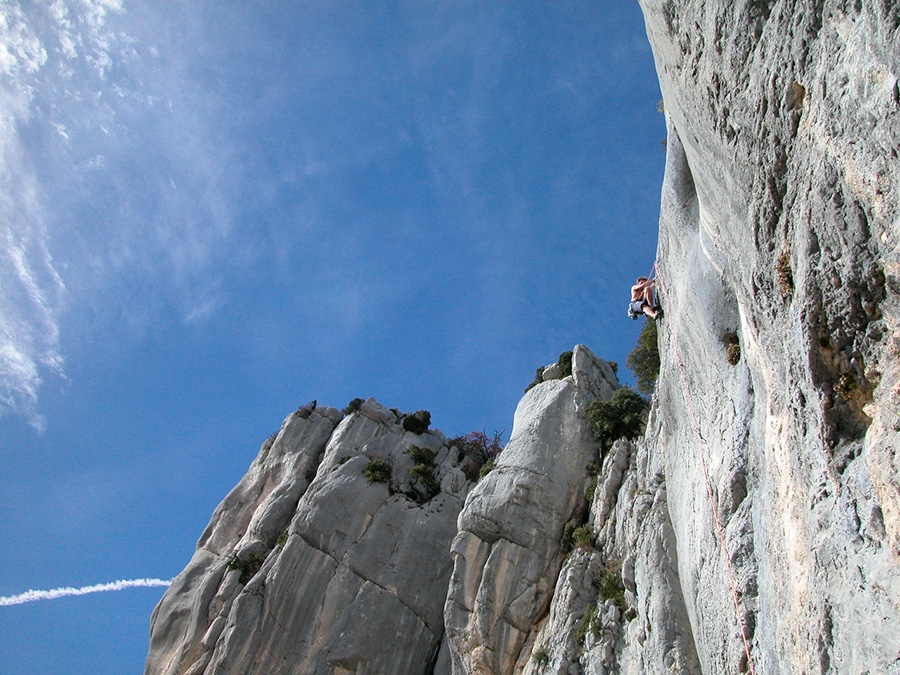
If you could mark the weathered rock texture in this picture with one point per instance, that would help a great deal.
(779, 230)
(508, 552)
(779, 258)
(307, 567)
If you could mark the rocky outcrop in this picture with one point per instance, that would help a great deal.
(764, 497)
(308, 567)
(508, 552)
(334, 553)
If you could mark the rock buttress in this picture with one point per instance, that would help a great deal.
(307, 567)
(507, 554)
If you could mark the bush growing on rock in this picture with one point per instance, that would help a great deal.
(643, 360)
(248, 565)
(420, 455)
(377, 471)
(423, 474)
(541, 657)
(486, 468)
(583, 537)
(732, 347)
(476, 451)
(353, 406)
(620, 417)
(565, 363)
(538, 378)
(305, 411)
(608, 582)
(426, 485)
(417, 422)
(590, 623)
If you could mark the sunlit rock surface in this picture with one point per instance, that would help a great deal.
(779, 231)
(508, 552)
(307, 567)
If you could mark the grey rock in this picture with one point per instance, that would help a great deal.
(307, 567)
(507, 554)
(780, 225)
(779, 232)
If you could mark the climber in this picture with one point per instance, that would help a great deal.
(642, 299)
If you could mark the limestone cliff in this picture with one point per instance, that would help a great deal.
(779, 231)
(330, 553)
(777, 412)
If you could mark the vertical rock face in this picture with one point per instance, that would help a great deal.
(507, 554)
(779, 233)
(777, 414)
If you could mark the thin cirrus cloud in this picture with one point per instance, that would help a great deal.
(88, 203)
(53, 594)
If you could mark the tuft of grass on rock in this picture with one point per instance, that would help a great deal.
(583, 537)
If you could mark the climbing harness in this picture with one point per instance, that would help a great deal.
(720, 531)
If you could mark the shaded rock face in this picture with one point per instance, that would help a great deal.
(307, 567)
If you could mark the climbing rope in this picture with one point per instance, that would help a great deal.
(720, 531)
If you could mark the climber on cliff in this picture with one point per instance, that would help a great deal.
(642, 299)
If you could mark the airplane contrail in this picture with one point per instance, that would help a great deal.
(33, 596)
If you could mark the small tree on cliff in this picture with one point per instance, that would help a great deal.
(623, 416)
(643, 361)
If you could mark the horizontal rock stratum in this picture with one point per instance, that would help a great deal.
(756, 525)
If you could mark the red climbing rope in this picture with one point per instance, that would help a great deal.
(720, 531)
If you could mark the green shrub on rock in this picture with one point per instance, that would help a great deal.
(583, 537)
(425, 483)
(417, 422)
(565, 364)
(608, 581)
(541, 657)
(590, 624)
(643, 360)
(420, 455)
(353, 406)
(620, 417)
(248, 565)
(377, 471)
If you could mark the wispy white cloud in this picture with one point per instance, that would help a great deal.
(31, 288)
(87, 163)
(34, 596)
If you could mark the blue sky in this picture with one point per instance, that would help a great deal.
(213, 213)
